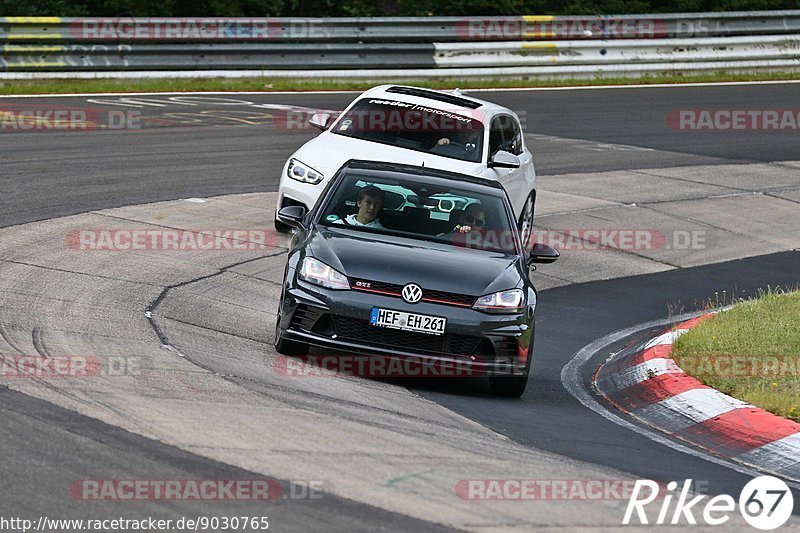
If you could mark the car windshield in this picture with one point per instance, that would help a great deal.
(448, 133)
(419, 210)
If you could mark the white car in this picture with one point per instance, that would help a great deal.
(422, 127)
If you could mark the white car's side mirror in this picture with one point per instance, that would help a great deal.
(503, 159)
(320, 120)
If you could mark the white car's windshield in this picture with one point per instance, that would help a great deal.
(419, 210)
(439, 131)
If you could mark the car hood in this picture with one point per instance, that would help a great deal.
(399, 260)
(329, 151)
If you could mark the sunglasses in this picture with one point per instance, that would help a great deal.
(472, 221)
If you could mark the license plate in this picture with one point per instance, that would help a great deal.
(432, 325)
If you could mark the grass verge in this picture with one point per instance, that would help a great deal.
(53, 86)
(751, 352)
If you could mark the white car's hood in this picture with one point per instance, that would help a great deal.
(328, 152)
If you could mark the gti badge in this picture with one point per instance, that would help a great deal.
(412, 293)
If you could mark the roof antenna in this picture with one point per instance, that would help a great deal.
(423, 163)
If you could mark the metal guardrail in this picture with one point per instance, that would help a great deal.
(397, 29)
(598, 53)
(303, 56)
(545, 46)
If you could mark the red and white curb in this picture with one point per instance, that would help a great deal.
(648, 385)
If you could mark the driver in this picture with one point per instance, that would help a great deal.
(370, 203)
(468, 139)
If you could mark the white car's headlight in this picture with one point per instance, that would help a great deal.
(316, 272)
(511, 301)
(301, 172)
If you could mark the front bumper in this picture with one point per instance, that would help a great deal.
(339, 321)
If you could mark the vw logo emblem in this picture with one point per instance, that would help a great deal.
(412, 293)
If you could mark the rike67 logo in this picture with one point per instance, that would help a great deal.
(766, 503)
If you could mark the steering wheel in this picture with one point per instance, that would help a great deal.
(458, 145)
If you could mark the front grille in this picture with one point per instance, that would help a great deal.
(377, 286)
(463, 344)
(393, 289)
(362, 331)
(449, 297)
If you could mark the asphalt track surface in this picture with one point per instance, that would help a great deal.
(571, 317)
(46, 448)
(50, 174)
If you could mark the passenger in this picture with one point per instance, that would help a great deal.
(370, 203)
(472, 220)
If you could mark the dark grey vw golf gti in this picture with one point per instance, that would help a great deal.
(398, 261)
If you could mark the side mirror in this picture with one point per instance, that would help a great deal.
(292, 215)
(320, 120)
(542, 253)
(503, 159)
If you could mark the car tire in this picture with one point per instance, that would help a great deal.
(287, 347)
(525, 223)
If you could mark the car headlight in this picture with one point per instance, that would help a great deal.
(511, 301)
(316, 272)
(301, 172)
